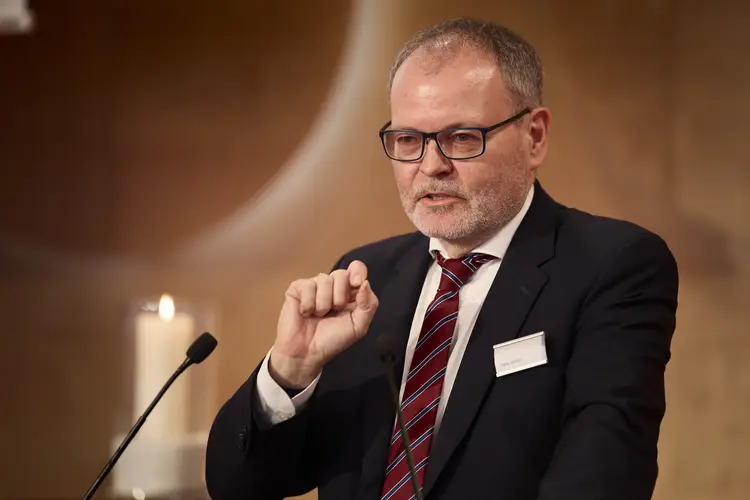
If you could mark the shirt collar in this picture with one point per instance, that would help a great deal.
(500, 241)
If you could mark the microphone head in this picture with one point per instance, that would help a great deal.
(201, 348)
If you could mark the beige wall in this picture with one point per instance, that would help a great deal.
(153, 146)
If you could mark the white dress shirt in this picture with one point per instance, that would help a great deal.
(277, 406)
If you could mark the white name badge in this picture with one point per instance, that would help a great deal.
(520, 354)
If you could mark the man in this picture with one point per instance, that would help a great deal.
(571, 409)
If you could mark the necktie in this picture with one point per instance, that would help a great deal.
(424, 382)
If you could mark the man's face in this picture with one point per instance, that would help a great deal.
(461, 200)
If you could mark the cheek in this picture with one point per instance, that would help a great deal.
(404, 176)
(478, 177)
(499, 166)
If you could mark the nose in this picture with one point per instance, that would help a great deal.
(434, 163)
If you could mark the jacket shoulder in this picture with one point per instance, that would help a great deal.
(598, 237)
(382, 252)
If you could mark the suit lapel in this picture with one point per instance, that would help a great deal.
(398, 300)
(510, 298)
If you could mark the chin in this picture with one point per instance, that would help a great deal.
(442, 226)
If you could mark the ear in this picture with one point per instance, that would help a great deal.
(537, 136)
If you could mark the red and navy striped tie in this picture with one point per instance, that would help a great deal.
(424, 383)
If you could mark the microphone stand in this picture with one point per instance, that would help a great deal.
(134, 430)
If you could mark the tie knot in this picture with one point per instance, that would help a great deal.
(457, 272)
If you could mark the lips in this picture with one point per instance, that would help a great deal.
(438, 196)
(438, 200)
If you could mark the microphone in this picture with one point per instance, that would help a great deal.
(386, 347)
(198, 351)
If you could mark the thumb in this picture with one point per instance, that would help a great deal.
(366, 305)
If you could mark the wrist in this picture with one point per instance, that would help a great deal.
(291, 373)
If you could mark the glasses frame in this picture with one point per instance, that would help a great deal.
(433, 135)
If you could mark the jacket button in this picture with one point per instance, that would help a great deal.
(242, 443)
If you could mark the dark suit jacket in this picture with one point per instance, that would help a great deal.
(584, 426)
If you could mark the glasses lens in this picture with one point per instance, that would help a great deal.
(403, 145)
(461, 143)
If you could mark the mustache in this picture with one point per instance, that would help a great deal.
(423, 191)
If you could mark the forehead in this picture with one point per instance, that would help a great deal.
(433, 91)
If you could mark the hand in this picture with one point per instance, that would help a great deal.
(320, 318)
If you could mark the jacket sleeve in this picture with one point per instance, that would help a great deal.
(615, 397)
(247, 457)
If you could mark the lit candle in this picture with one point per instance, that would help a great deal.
(161, 339)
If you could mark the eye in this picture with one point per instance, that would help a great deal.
(462, 137)
(407, 139)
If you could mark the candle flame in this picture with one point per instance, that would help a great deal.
(166, 307)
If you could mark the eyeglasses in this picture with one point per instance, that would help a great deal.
(455, 143)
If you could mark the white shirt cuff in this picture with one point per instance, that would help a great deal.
(275, 403)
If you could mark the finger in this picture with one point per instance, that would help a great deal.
(323, 295)
(357, 273)
(341, 289)
(306, 292)
(367, 304)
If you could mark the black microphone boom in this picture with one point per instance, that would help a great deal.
(199, 350)
(387, 356)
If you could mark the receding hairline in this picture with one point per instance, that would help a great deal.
(516, 59)
(432, 60)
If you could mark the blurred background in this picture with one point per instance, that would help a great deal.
(199, 155)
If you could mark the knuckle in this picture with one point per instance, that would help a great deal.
(325, 289)
(295, 287)
(303, 283)
(323, 278)
(340, 277)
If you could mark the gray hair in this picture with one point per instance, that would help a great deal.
(517, 59)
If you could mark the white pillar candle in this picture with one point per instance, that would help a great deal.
(161, 339)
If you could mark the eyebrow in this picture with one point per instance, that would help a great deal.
(449, 126)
